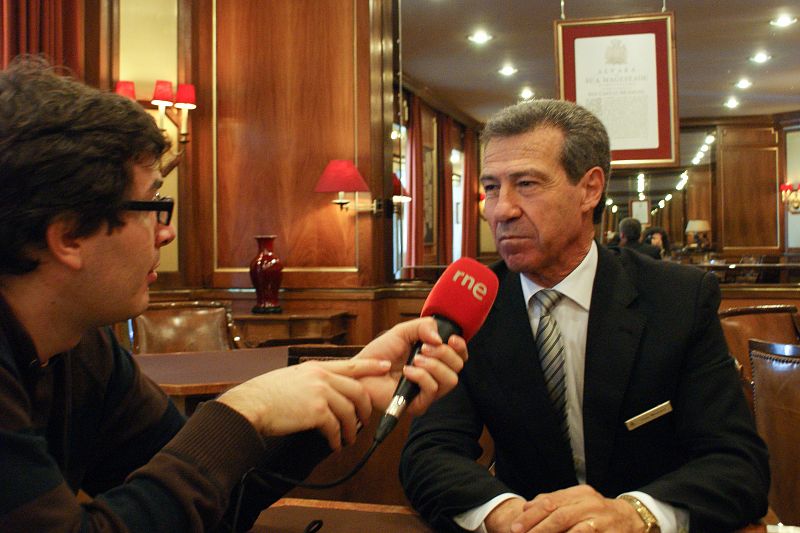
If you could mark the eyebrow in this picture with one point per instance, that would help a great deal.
(514, 175)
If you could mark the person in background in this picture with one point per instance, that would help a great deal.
(81, 226)
(630, 230)
(658, 237)
(602, 376)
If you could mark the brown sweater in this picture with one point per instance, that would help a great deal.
(90, 420)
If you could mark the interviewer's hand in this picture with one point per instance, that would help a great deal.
(323, 395)
(578, 509)
(435, 371)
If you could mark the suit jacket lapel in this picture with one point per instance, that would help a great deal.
(517, 364)
(613, 337)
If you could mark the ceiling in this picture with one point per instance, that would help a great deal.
(714, 40)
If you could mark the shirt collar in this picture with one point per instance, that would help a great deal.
(577, 286)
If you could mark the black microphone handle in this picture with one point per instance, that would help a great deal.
(407, 390)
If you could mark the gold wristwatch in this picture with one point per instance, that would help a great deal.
(649, 519)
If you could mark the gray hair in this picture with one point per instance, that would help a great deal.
(586, 143)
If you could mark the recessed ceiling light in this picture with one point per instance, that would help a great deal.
(661, 204)
(783, 20)
(526, 93)
(760, 57)
(641, 197)
(507, 70)
(614, 209)
(668, 197)
(744, 83)
(710, 139)
(480, 37)
(731, 103)
(609, 201)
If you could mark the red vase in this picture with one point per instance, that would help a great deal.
(265, 273)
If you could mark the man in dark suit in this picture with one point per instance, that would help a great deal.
(602, 376)
(630, 230)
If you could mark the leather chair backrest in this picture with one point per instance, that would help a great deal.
(190, 326)
(774, 323)
(776, 380)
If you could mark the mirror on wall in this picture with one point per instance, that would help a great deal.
(659, 197)
(668, 198)
(441, 59)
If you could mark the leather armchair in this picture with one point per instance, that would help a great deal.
(776, 380)
(773, 323)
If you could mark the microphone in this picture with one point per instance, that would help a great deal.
(459, 302)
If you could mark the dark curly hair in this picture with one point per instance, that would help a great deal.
(66, 149)
(586, 142)
(648, 236)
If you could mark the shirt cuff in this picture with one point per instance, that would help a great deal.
(671, 519)
(472, 520)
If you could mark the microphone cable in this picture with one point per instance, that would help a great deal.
(259, 474)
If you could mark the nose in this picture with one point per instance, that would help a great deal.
(165, 234)
(506, 206)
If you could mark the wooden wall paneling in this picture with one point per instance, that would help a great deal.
(699, 201)
(197, 171)
(677, 219)
(747, 191)
(381, 112)
(292, 94)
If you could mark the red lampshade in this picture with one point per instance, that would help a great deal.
(399, 193)
(125, 88)
(341, 175)
(185, 98)
(397, 186)
(162, 95)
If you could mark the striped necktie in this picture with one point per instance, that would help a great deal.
(551, 354)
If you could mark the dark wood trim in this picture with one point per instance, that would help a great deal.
(100, 32)
(196, 261)
(382, 53)
(751, 120)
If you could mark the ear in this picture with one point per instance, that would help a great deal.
(593, 185)
(62, 244)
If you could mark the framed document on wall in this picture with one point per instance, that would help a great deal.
(623, 70)
(640, 210)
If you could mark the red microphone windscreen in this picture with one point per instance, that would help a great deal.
(464, 294)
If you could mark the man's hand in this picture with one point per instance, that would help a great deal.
(435, 369)
(502, 516)
(579, 509)
(336, 396)
(324, 395)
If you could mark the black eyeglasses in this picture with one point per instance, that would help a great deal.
(162, 206)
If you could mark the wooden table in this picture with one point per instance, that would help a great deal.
(299, 328)
(185, 374)
(292, 515)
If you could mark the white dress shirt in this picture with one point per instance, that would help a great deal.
(572, 316)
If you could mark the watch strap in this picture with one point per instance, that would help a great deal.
(647, 516)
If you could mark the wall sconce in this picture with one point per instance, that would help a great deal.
(790, 194)
(400, 195)
(341, 176)
(163, 98)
